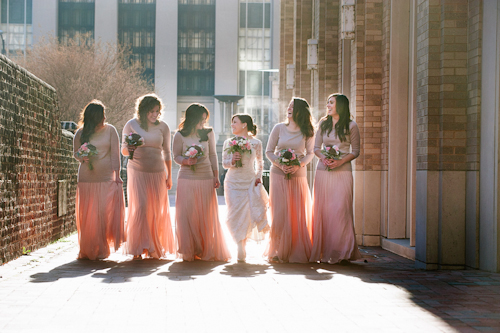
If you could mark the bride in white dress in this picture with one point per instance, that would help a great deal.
(246, 198)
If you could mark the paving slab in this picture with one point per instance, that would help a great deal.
(50, 291)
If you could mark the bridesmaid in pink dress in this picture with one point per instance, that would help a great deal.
(198, 229)
(290, 200)
(100, 205)
(334, 239)
(149, 177)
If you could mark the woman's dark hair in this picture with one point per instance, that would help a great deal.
(246, 119)
(144, 105)
(302, 117)
(194, 114)
(90, 117)
(342, 125)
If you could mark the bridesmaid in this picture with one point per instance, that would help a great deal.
(246, 197)
(198, 229)
(333, 230)
(100, 205)
(149, 177)
(290, 200)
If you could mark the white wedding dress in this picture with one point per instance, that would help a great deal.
(246, 203)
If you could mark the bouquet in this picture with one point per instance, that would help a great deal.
(331, 152)
(89, 150)
(134, 139)
(288, 157)
(194, 151)
(240, 145)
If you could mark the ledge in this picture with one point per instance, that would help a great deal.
(400, 247)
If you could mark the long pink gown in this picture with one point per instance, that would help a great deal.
(289, 200)
(333, 229)
(149, 228)
(198, 229)
(100, 205)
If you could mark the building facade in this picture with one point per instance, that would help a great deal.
(423, 81)
(191, 49)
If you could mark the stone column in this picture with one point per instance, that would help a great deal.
(489, 231)
(106, 21)
(45, 19)
(166, 59)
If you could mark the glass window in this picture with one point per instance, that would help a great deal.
(136, 30)
(75, 17)
(259, 15)
(15, 37)
(196, 48)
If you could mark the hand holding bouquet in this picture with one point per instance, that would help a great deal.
(332, 153)
(240, 145)
(288, 157)
(134, 140)
(87, 150)
(194, 151)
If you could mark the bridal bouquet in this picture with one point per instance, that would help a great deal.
(87, 149)
(288, 157)
(331, 152)
(134, 139)
(240, 145)
(194, 151)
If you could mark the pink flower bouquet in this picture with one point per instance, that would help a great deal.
(240, 145)
(89, 150)
(331, 152)
(194, 151)
(134, 139)
(288, 157)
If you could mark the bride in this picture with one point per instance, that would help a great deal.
(246, 197)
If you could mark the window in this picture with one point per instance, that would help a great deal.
(75, 17)
(196, 48)
(136, 30)
(16, 37)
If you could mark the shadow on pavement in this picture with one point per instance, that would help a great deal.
(185, 271)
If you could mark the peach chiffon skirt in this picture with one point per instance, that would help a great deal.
(333, 229)
(290, 207)
(198, 229)
(100, 215)
(149, 229)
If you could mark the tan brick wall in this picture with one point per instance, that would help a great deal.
(367, 92)
(474, 50)
(327, 50)
(386, 42)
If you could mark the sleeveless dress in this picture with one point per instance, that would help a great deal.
(100, 205)
(246, 203)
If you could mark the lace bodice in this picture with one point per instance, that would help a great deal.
(253, 163)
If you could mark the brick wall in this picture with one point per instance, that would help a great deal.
(34, 155)
(475, 31)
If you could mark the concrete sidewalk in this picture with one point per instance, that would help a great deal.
(50, 291)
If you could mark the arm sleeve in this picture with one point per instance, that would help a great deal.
(309, 151)
(355, 140)
(272, 143)
(227, 158)
(77, 144)
(115, 149)
(259, 160)
(212, 152)
(177, 148)
(318, 141)
(126, 130)
(167, 156)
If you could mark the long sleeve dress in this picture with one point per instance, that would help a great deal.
(149, 229)
(289, 200)
(198, 230)
(333, 228)
(100, 205)
(246, 203)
